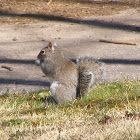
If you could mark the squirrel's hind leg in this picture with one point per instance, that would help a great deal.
(62, 93)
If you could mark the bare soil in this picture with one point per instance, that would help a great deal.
(29, 11)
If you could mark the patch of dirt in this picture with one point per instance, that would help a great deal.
(30, 11)
(128, 116)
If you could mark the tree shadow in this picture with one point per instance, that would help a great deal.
(5, 81)
(116, 61)
(17, 61)
(95, 22)
(44, 83)
(23, 82)
(104, 60)
(121, 61)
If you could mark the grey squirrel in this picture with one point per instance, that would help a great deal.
(69, 80)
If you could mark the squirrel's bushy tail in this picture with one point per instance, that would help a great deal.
(90, 73)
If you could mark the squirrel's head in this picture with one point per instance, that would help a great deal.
(45, 51)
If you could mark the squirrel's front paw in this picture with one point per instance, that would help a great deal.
(37, 62)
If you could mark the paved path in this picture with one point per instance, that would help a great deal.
(20, 44)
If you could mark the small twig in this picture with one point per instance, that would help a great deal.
(116, 42)
(49, 1)
(7, 67)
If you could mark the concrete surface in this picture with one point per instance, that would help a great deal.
(20, 44)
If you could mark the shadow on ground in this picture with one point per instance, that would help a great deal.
(104, 60)
(99, 23)
(23, 82)
(108, 61)
(17, 61)
(95, 22)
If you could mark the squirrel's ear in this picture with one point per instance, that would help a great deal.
(51, 47)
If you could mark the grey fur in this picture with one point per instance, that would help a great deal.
(62, 72)
(69, 80)
(90, 74)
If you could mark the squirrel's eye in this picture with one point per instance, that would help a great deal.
(43, 52)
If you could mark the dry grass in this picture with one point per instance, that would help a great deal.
(101, 115)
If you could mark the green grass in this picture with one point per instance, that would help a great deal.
(27, 116)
